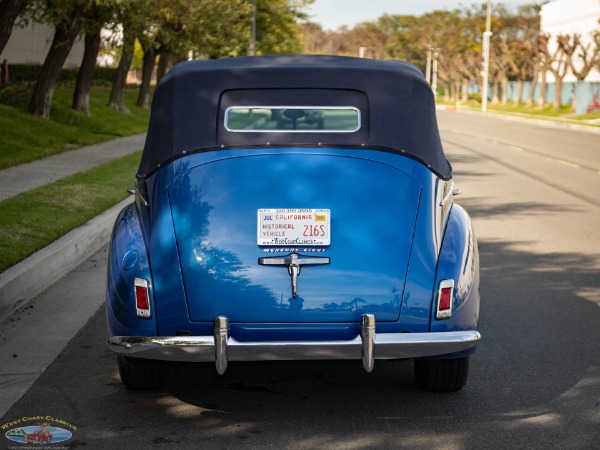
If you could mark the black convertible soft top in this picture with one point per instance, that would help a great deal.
(396, 103)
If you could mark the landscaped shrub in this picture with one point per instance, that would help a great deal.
(30, 72)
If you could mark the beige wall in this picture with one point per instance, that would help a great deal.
(30, 45)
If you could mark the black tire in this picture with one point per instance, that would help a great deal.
(443, 375)
(143, 374)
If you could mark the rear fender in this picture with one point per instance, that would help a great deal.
(127, 260)
(459, 261)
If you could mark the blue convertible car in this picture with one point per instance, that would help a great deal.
(293, 207)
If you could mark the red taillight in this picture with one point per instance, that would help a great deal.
(444, 299)
(142, 298)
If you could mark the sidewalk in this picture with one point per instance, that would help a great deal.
(25, 177)
(32, 276)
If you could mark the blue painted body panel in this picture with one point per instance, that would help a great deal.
(199, 230)
(215, 206)
(459, 260)
(127, 259)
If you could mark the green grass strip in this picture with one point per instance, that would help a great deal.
(26, 138)
(34, 219)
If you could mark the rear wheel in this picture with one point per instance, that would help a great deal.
(443, 375)
(143, 374)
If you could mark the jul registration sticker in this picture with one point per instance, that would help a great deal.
(307, 227)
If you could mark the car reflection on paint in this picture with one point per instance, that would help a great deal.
(293, 207)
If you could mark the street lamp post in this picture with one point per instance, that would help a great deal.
(434, 76)
(428, 68)
(486, 57)
(253, 30)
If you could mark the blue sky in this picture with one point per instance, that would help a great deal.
(331, 14)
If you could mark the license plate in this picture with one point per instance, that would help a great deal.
(306, 227)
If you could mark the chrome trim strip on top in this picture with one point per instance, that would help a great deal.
(138, 194)
(205, 348)
(449, 193)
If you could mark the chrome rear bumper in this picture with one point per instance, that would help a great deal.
(222, 348)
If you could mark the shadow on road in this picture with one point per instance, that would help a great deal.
(535, 378)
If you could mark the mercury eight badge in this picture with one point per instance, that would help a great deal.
(293, 208)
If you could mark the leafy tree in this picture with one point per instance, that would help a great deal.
(97, 16)
(222, 27)
(403, 42)
(556, 62)
(589, 56)
(596, 36)
(524, 61)
(68, 17)
(456, 36)
(312, 38)
(132, 18)
(276, 26)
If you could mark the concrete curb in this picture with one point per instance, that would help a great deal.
(30, 277)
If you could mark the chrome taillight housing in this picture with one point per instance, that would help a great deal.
(142, 298)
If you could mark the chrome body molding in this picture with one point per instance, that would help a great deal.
(222, 348)
(449, 191)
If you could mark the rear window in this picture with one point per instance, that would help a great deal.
(292, 119)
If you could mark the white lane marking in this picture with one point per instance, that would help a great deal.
(568, 164)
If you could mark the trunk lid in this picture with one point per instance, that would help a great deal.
(372, 206)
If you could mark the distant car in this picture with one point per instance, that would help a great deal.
(293, 208)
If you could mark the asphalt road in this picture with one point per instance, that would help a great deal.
(535, 381)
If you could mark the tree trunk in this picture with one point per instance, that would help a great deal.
(64, 36)
(9, 11)
(495, 95)
(505, 90)
(447, 89)
(163, 65)
(532, 87)
(117, 93)
(147, 69)
(85, 77)
(543, 88)
(517, 101)
(465, 91)
(557, 92)
(574, 101)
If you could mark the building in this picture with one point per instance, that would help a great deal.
(30, 45)
(569, 17)
(572, 17)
